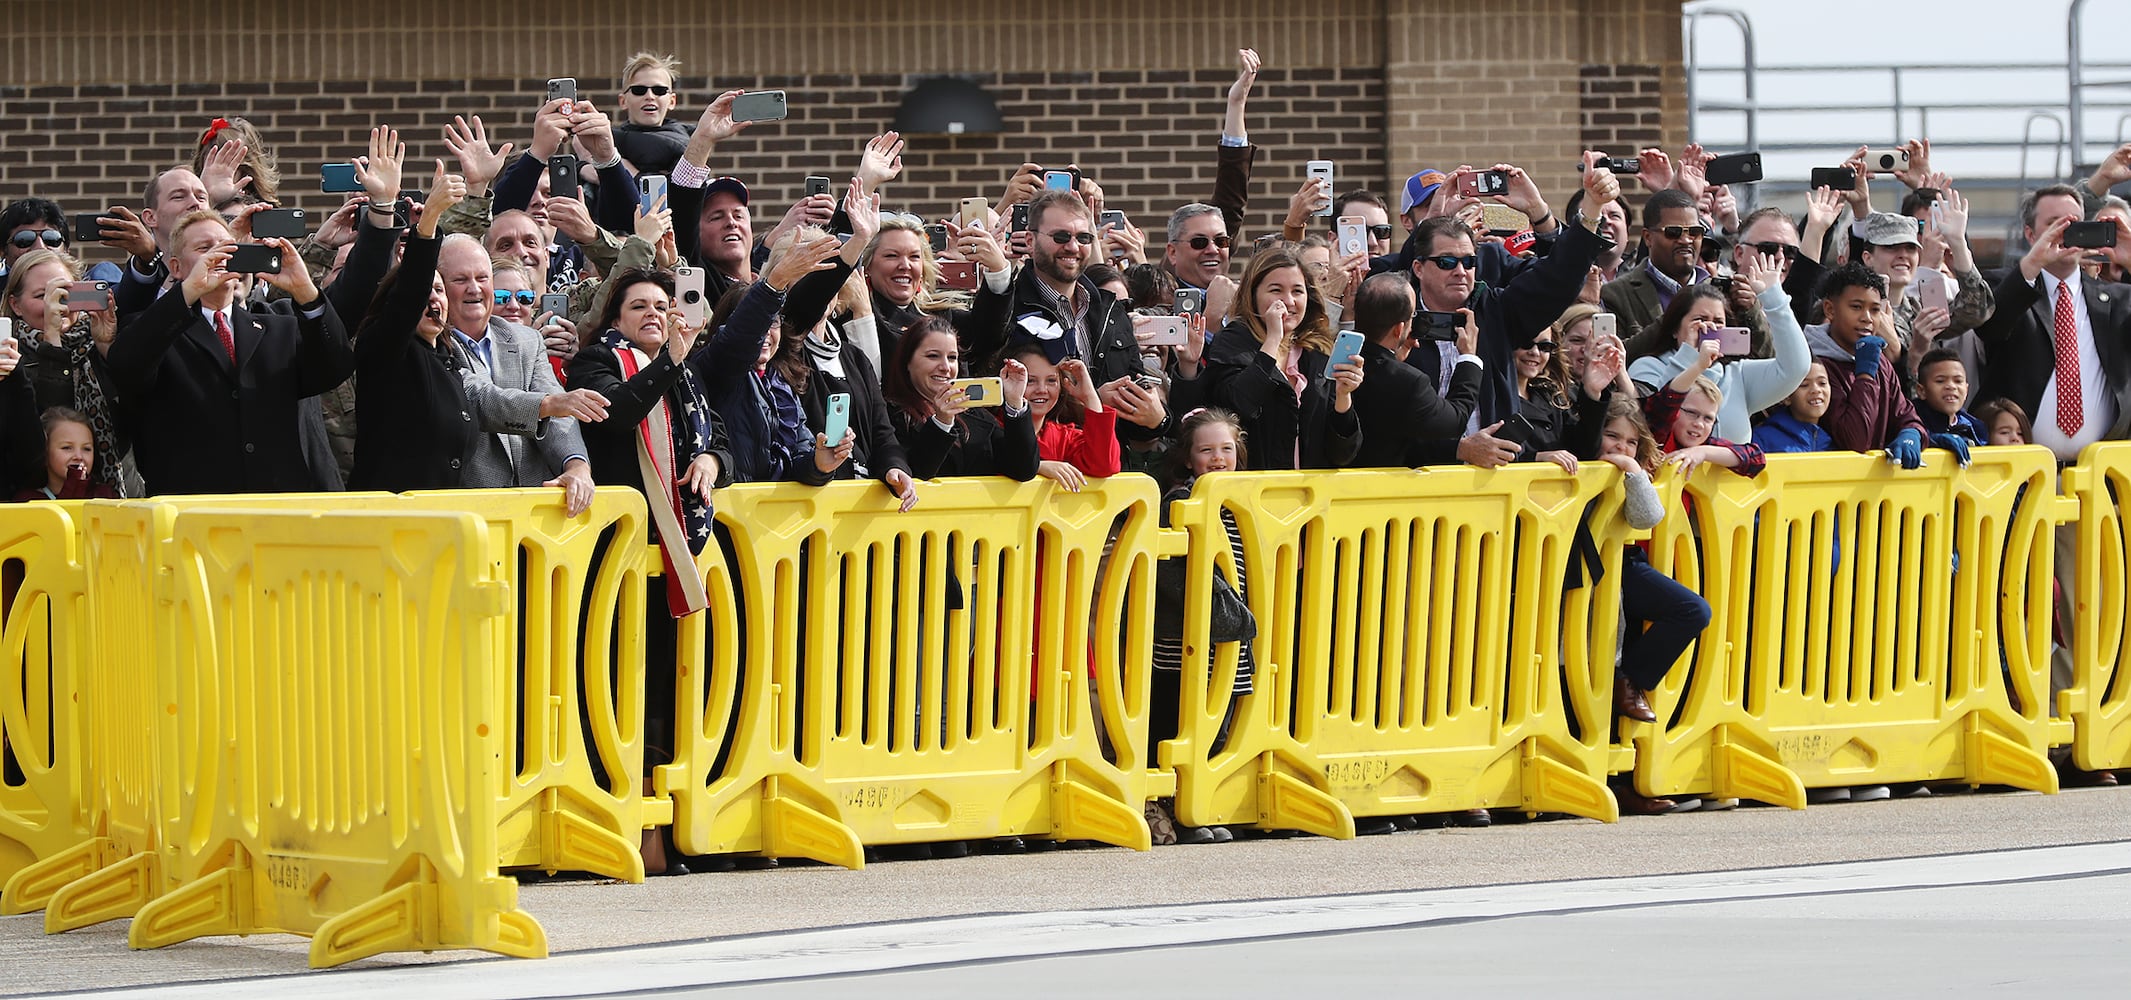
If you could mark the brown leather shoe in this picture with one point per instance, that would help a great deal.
(1634, 803)
(1629, 702)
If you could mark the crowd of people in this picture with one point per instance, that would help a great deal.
(600, 309)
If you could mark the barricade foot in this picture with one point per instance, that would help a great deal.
(216, 904)
(1082, 813)
(410, 918)
(1285, 803)
(1995, 760)
(568, 843)
(1740, 773)
(28, 890)
(113, 891)
(791, 829)
(1552, 786)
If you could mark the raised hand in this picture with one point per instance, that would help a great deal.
(593, 132)
(1919, 164)
(1952, 212)
(1078, 382)
(1599, 184)
(1247, 63)
(445, 190)
(1656, 172)
(1692, 177)
(655, 223)
(1014, 384)
(717, 120)
(209, 271)
(881, 161)
(1523, 194)
(477, 160)
(571, 218)
(293, 278)
(380, 171)
(802, 258)
(219, 173)
(863, 210)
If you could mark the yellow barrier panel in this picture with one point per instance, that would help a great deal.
(1414, 641)
(43, 623)
(1845, 646)
(338, 735)
(2099, 701)
(863, 708)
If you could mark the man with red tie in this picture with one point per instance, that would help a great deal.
(212, 389)
(2059, 345)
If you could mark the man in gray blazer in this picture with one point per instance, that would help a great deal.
(510, 384)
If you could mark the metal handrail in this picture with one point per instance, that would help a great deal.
(1746, 39)
(2075, 79)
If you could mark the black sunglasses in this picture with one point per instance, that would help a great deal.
(1449, 263)
(654, 90)
(29, 237)
(1675, 232)
(1788, 251)
(1542, 346)
(523, 296)
(1063, 237)
(1382, 232)
(1201, 242)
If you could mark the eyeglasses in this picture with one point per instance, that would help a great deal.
(1788, 251)
(1542, 346)
(1201, 242)
(1063, 237)
(655, 90)
(1693, 232)
(524, 297)
(28, 238)
(1447, 262)
(1382, 232)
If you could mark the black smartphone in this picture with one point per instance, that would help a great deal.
(255, 258)
(759, 106)
(560, 88)
(1429, 324)
(2091, 235)
(1734, 168)
(282, 223)
(817, 185)
(87, 229)
(562, 176)
(1518, 431)
(1618, 164)
(1019, 222)
(936, 235)
(1835, 178)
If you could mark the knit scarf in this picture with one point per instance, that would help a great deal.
(667, 440)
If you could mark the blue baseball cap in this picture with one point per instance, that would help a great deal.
(1419, 188)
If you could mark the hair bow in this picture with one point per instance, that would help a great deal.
(214, 128)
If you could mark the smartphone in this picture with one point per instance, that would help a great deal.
(255, 258)
(1834, 178)
(958, 275)
(1019, 219)
(1058, 180)
(1503, 219)
(1321, 170)
(1617, 164)
(1518, 431)
(2090, 235)
(338, 178)
(7, 329)
(1734, 168)
(90, 296)
(1884, 161)
(1110, 219)
(936, 235)
(562, 176)
(651, 190)
(981, 391)
(1485, 182)
(1732, 341)
(837, 420)
(1163, 331)
(973, 212)
(759, 106)
(561, 88)
(87, 229)
(688, 293)
(1190, 302)
(1931, 292)
(817, 184)
(1353, 236)
(282, 223)
(556, 304)
(1429, 324)
(1344, 350)
(1604, 325)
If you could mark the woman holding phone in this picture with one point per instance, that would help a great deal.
(772, 440)
(902, 269)
(955, 427)
(1749, 385)
(62, 350)
(1272, 367)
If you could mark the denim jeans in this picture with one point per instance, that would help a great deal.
(1676, 616)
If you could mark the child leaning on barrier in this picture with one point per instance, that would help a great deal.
(1794, 427)
(1208, 441)
(1942, 392)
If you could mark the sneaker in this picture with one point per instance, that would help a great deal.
(1194, 834)
(1684, 805)
(1870, 793)
(1714, 805)
(1823, 796)
(1221, 834)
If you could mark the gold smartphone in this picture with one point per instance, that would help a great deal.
(982, 391)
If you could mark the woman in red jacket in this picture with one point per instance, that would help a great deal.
(1072, 450)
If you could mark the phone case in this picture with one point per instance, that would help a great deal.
(652, 188)
(1353, 235)
(338, 178)
(1343, 351)
(982, 391)
(688, 289)
(1735, 168)
(759, 106)
(1170, 331)
(838, 418)
(1321, 169)
(562, 176)
(281, 223)
(556, 304)
(817, 185)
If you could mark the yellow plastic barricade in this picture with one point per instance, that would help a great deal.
(333, 757)
(861, 706)
(1414, 647)
(2099, 701)
(43, 622)
(1845, 646)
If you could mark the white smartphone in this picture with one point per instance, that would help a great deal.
(1931, 291)
(1604, 325)
(1162, 331)
(1322, 170)
(688, 290)
(972, 212)
(7, 329)
(1886, 161)
(1353, 236)
(838, 419)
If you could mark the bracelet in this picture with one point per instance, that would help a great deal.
(1536, 222)
(388, 208)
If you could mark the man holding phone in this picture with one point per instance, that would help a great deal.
(1404, 421)
(1056, 305)
(30, 223)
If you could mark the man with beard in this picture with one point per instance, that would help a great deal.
(1672, 244)
(1058, 307)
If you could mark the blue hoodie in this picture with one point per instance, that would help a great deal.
(1963, 424)
(1782, 432)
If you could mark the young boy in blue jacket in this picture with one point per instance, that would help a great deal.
(1942, 394)
(1795, 426)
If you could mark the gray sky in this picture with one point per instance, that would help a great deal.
(1967, 33)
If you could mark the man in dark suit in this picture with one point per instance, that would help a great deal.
(1404, 421)
(2059, 344)
(1672, 233)
(213, 389)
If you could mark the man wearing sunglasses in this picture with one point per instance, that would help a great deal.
(1198, 245)
(1672, 244)
(650, 144)
(1057, 306)
(38, 223)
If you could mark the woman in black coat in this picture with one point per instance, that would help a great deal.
(1269, 368)
(944, 435)
(413, 427)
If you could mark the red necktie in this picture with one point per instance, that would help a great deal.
(2071, 407)
(229, 340)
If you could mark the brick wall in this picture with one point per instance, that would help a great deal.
(1622, 108)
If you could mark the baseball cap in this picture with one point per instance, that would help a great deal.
(1886, 229)
(730, 185)
(1418, 188)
